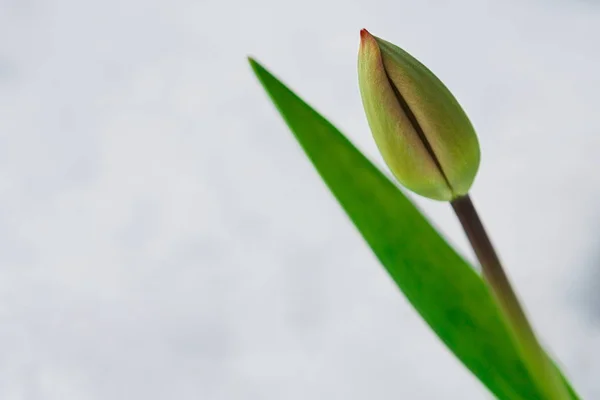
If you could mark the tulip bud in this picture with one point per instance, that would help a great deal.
(423, 134)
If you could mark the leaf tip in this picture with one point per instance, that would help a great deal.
(258, 69)
(253, 63)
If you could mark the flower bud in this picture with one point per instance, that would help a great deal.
(423, 134)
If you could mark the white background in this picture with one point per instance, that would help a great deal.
(163, 237)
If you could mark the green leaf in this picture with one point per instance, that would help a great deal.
(449, 295)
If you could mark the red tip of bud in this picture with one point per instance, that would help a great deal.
(366, 39)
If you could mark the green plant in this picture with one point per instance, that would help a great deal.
(478, 317)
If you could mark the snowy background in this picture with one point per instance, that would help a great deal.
(163, 237)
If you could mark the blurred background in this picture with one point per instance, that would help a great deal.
(162, 236)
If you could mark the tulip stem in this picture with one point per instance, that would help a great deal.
(538, 363)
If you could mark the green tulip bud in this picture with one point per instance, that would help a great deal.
(423, 134)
